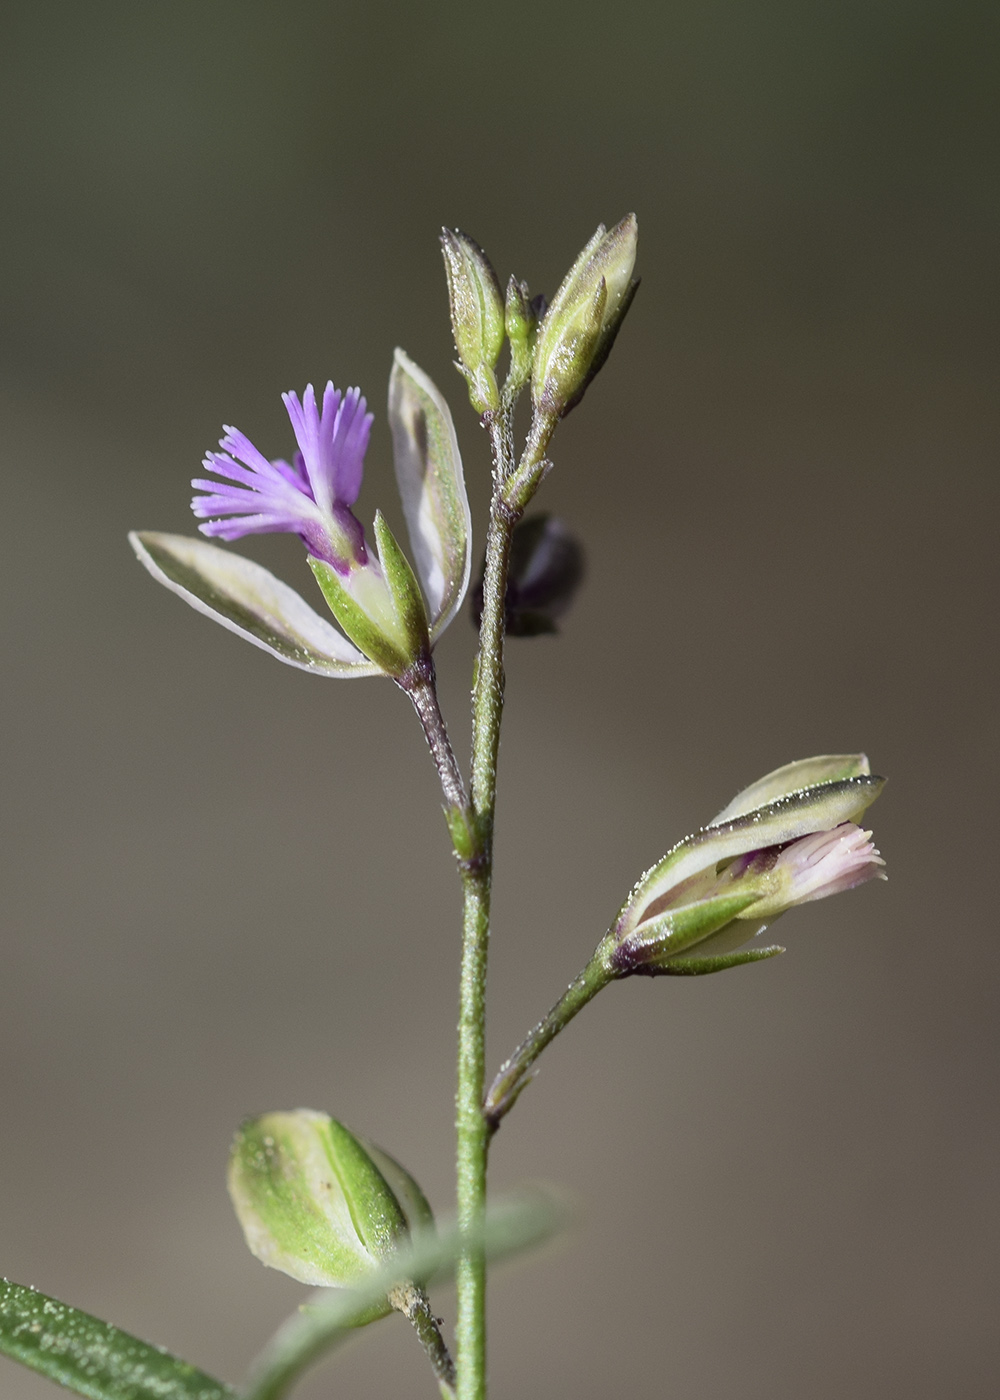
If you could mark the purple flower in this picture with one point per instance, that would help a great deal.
(311, 496)
(389, 613)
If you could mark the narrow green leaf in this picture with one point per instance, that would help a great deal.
(91, 1357)
(331, 1315)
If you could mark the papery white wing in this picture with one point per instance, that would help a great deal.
(793, 777)
(250, 601)
(432, 487)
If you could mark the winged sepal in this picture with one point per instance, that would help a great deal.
(432, 488)
(319, 1203)
(248, 600)
(795, 777)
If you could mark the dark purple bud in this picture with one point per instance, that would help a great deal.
(546, 569)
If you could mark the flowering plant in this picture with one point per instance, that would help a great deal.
(314, 1198)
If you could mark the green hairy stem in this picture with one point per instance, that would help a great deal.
(477, 877)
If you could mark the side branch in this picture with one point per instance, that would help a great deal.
(513, 1075)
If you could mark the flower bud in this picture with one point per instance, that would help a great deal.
(520, 321)
(580, 326)
(776, 845)
(477, 315)
(318, 1203)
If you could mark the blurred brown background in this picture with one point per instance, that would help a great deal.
(227, 886)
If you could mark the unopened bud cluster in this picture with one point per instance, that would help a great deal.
(559, 348)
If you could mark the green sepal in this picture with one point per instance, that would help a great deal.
(699, 967)
(407, 599)
(92, 1358)
(387, 652)
(377, 1215)
(605, 342)
(660, 938)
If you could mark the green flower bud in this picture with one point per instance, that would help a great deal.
(520, 322)
(317, 1202)
(477, 315)
(579, 328)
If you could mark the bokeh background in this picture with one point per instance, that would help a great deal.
(227, 886)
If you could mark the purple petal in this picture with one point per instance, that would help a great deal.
(311, 495)
(240, 446)
(247, 525)
(223, 465)
(350, 443)
(333, 443)
(309, 434)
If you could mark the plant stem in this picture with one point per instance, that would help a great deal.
(420, 686)
(512, 1076)
(415, 1306)
(477, 876)
(473, 1136)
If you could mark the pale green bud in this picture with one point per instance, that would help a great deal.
(317, 1202)
(579, 328)
(477, 315)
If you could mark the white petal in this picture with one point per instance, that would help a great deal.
(249, 601)
(432, 487)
